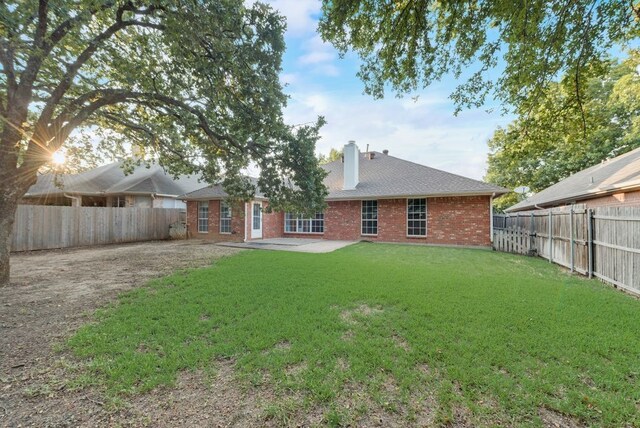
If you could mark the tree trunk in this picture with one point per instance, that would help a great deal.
(8, 208)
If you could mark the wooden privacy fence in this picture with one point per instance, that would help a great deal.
(40, 227)
(603, 242)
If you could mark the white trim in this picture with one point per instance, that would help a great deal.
(424, 195)
(203, 203)
(220, 218)
(311, 220)
(244, 223)
(406, 229)
(256, 233)
(361, 219)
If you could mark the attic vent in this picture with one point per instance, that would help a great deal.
(371, 155)
(385, 151)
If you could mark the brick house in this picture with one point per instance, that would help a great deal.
(372, 196)
(612, 182)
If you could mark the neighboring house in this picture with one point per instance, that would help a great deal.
(372, 196)
(612, 182)
(109, 186)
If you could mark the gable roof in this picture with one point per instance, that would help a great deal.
(216, 191)
(110, 180)
(383, 176)
(387, 176)
(619, 173)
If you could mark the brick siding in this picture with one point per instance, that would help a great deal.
(237, 222)
(622, 198)
(456, 220)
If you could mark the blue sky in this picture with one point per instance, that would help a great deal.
(424, 131)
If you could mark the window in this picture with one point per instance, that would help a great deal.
(119, 202)
(203, 216)
(369, 217)
(417, 217)
(225, 217)
(297, 223)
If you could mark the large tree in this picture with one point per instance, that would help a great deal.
(193, 82)
(509, 49)
(560, 137)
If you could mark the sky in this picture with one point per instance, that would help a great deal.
(425, 131)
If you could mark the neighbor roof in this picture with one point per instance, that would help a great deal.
(110, 180)
(620, 173)
(387, 176)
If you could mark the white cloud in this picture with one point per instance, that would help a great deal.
(428, 134)
(319, 57)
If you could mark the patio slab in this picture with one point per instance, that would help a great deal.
(301, 245)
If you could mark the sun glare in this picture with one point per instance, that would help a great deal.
(58, 157)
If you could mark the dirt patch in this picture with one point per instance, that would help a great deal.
(400, 342)
(350, 316)
(553, 419)
(52, 293)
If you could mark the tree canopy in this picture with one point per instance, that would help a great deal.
(334, 154)
(193, 82)
(559, 137)
(411, 44)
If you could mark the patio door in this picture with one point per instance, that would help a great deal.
(256, 220)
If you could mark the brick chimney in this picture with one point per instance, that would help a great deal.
(351, 166)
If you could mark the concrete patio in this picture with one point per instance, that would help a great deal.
(301, 245)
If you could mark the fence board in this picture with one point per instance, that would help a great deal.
(39, 227)
(605, 243)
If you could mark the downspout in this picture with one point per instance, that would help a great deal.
(245, 221)
(491, 216)
(75, 198)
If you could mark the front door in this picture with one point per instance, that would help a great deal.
(256, 220)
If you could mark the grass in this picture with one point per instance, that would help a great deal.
(486, 337)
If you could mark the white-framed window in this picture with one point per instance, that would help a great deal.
(203, 216)
(225, 217)
(119, 201)
(297, 223)
(369, 218)
(417, 217)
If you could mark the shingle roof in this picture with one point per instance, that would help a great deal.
(622, 172)
(111, 179)
(387, 176)
(216, 191)
(383, 176)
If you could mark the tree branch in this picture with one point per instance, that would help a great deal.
(6, 59)
(73, 69)
(63, 29)
(50, 139)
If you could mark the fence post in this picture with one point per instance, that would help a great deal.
(590, 241)
(550, 236)
(571, 237)
(532, 239)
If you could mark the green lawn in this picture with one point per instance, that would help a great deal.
(411, 331)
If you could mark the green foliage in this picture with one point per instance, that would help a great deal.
(334, 155)
(411, 44)
(561, 136)
(381, 327)
(193, 83)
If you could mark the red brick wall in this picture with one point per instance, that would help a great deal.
(342, 220)
(272, 223)
(622, 198)
(462, 220)
(237, 222)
